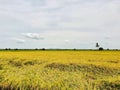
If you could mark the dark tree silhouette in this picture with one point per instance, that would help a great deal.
(15, 49)
(36, 48)
(101, 48)
(6, 49)
(74, 49)
(43, 49)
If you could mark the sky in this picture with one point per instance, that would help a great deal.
(59, 24)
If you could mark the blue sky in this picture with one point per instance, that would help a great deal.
(59, 23)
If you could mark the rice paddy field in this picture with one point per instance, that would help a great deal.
(59, 70)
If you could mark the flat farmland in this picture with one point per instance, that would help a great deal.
(59, 70)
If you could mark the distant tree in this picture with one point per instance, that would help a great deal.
(74, 49)
(101, 48)
(36, 49)
(6, 49)
(43, 49)
(15, 49)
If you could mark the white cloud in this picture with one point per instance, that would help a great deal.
(18, 40)
(35, 36)
(67, 41)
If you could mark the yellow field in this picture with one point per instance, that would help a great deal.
(60, 70)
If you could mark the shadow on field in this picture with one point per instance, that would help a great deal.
(1, 67)
(28, 87)
(84, 68)
(105, 85)
(24, 63)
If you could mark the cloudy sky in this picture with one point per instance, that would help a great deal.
(59, 23)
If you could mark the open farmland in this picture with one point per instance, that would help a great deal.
(59, 70)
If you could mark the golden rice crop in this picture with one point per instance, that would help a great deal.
(59, 70)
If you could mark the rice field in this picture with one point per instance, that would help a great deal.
(59, 70)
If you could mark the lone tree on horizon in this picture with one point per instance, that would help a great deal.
(101, 49)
